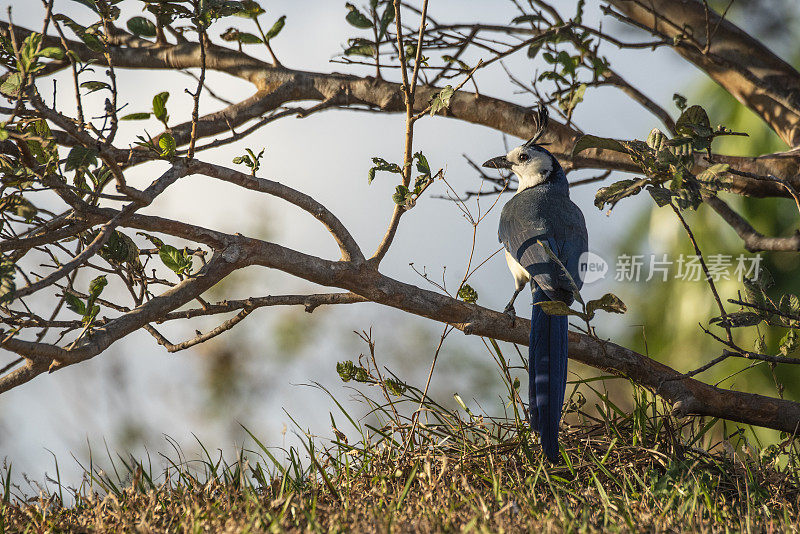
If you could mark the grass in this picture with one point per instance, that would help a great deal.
(453, 470)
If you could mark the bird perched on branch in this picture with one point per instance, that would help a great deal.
(539, 223)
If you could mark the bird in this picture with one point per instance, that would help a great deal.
(541, 215)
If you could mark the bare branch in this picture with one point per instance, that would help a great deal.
(347, 245)
(201, 338)
(754, 241)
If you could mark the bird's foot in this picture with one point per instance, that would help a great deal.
(512, 314)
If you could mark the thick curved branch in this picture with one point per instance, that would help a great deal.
(742, 65)
(688, 396)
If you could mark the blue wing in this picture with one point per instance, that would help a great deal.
(526, 222)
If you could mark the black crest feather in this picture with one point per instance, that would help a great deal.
(540, 120)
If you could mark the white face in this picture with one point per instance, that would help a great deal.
(531, 166)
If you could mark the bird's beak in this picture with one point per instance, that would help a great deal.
(500, 162)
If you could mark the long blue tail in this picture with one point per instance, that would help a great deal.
(547, 355)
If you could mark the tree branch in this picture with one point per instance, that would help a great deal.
(741, 64)
(754, 241)
(347, 245)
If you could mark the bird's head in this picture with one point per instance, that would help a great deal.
(531, 162)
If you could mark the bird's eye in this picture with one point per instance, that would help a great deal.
(523, 157)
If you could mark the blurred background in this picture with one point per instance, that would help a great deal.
(134, 395)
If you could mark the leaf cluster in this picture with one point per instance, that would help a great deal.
(378, 23)
(251, 160)
(666, 162)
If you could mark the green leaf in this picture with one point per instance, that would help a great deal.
(759, 345)
(380, 164)
(135, 116)
(616, 192)
(792, 304)
(468, 294)
(656, 139)
(153, 239)
(401, 194)
(11, 85)
(450, 59)
(74, 303)
(27, 53)
(688, 198)
(7, 284)
(92, 41)
(754, 294)
(141, 27)
(91, 313)
(97, 285)
(120, 249)
(248, 38)
(167, 145)
(395, 387)
(80, 157)
(357, 18)
(52, 52)
(251, 10)
(534, 48)
(232, 34)
(160, 106)
(211, 10)
(557, 307)
(441, 100)
(349, 371)
(176, 260)
(386, 19)
(694, 122)
(345, 370)
(360, 47)
(714, 173)
(661, 195)
(579, 13)
(44, 148)
(93, 86)
(18, 205)
(276, 28)
(789, 343)
(603, 143)
(422, 163)
(527, 18)
(3, 134)
(573, 99)
(680, 101)
(608, 302)
(737, 319)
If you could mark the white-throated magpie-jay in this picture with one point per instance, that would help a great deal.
(541, 212)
